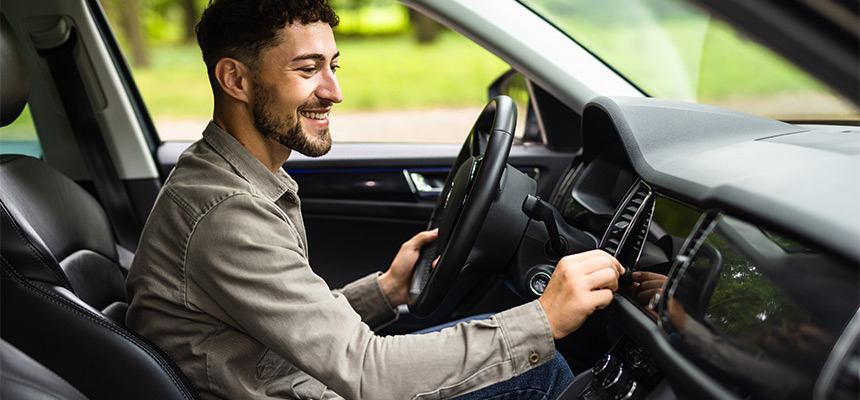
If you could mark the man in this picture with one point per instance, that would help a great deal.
(221, 279)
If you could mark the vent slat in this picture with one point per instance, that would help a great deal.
(621, 224)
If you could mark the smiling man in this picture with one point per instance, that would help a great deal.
(221, 279)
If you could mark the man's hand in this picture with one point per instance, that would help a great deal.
(581, 284)
(395, 281)
(646, 285)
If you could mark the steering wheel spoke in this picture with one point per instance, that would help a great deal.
(472, 186)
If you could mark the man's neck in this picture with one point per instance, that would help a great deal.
(271, 153)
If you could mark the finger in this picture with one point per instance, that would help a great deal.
(644, 297)
(591, 261)
(433, 266)
(606, 278)
(650, 285)
(585, 255)
(641, 276)
(601, 298)
(422, 238)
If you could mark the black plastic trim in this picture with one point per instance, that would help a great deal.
(684, 376)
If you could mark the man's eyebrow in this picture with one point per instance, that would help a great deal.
(314, 56)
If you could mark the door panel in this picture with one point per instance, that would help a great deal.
(360, 206)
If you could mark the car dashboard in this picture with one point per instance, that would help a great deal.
(722, 298)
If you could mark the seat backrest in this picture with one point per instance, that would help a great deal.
(70, 226)
(60, 277)
(40, 312)
(100, 358)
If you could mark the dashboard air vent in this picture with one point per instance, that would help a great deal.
(629, 226)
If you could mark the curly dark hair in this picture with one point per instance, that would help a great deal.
(242, 29)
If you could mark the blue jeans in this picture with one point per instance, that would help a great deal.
(542, 383)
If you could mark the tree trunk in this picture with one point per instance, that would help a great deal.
(189, 8)
(426, 29)
(130, 13)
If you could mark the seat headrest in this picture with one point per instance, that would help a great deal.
(14, 75)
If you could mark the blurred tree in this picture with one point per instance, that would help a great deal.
(425, 28)
(190, 16)
(132, 27)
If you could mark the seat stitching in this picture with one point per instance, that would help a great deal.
(100, 321)
(35, 251)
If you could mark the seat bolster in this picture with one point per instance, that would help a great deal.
(23, 247)
(99, 357)
(116, 312)
(96, 279)
(22, 377)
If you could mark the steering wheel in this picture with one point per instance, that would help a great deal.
(470, 188)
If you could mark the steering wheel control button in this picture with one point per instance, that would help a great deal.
(534, 358)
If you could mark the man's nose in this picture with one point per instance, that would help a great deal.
(329, 89)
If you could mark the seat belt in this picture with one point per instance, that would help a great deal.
(88, 134)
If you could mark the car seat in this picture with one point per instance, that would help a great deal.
(62, 296)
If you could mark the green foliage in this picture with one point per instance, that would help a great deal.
(22, 129)
(746, 304)
(395, 72)
(372, 20)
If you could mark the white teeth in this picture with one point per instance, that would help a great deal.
(314, 115)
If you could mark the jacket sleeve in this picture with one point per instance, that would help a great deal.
(366, 298)
(245, 258)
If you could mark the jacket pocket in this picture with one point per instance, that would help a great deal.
(272, 365)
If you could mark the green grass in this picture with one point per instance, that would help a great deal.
(389, 72)
(175, 85)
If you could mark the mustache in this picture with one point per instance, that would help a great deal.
(316, 105)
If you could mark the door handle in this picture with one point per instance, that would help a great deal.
(421, 186)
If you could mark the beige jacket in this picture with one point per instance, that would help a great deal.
(221, 282)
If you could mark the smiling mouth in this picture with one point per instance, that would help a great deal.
(314, 115)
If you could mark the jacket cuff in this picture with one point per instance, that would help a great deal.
(529, 347)
(366, 298)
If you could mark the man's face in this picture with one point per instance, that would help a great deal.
(294, 88)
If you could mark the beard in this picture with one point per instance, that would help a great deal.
(287, 130)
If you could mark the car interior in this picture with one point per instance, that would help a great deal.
(748, 224)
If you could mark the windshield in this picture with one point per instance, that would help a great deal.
(674, 50)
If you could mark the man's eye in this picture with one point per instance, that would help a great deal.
(308, 70)
(334, 68)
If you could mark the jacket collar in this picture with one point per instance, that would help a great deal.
(272, 186)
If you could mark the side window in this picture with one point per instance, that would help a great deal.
(404, 78)
(20, 137)
(514, 85)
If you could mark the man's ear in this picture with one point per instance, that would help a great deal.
(234, 78)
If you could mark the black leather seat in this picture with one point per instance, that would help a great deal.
(24, 378)
(62, 296)
(73, 229)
